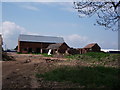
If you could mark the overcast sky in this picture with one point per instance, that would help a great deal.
(53, 19)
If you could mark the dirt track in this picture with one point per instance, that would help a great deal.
(18, 74)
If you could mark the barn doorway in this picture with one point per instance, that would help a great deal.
(37, 50)
(29, 50)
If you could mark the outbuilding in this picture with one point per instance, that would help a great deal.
(58, 48)
(93, 47)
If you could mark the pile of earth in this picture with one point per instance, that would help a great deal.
(6, 57)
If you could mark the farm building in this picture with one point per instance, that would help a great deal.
(36, 44)
(1, 47)
(93, 47)
(58, 48)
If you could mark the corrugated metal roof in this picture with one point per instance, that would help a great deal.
(36, 38)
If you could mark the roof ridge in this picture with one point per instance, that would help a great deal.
(40, 36)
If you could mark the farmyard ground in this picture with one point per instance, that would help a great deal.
(22, 72)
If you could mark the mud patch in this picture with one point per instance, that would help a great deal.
(16, 80)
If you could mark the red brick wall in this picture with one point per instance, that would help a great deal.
(34, 45)
(63, 48)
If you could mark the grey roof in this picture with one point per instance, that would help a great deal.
(36, 38)
(54, 46)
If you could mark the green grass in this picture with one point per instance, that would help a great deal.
(97, 55)
(73, 56)
(88, 56)
(86, 76)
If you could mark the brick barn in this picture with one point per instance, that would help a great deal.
(58, 48)
(36, 44)
(93, 47)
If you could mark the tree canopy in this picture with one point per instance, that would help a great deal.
(108, 12)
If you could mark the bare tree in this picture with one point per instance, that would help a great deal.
(107, 12)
